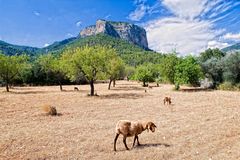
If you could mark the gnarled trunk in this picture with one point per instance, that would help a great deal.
(60, 86)
(144, 84)
(114, 82)
(92, 87)
(109, 85)
(7, 87)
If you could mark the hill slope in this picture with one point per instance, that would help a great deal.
(233, 48)
(120, 45)
(10, 49)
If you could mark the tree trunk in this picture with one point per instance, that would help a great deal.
(92, 87)
(144, 84)
(7, 86)
(60, 86)
(109, 85)
(114, 82)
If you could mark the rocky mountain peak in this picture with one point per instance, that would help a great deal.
(129, 32)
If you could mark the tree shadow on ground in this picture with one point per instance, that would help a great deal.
(123, 95)
(29, 92)
(128, 88)
(196, 90)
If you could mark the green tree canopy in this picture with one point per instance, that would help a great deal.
(115, 69)
(231, 69)
(167, 67)
(145, 73)
(210, 53)
(213, 69)
(90, 61)
(11, 67)
(188, 71)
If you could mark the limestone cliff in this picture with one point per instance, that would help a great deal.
(130, 32)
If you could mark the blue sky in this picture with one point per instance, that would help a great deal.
(187, 26)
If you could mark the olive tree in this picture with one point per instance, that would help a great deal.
(188, 71)
(11, 67)
(89, 61)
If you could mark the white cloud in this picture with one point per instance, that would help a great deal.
(184, 36)
(36, 13)
(216, 44)
(139, 13)
(189, 29)
(46, 44)
(189, 9)
(231, 36)
(69, 35)
(78, 23)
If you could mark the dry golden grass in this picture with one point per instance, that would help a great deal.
(198, 125)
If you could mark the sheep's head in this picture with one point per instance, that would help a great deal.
(151, 126)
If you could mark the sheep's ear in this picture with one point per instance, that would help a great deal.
(154, 125)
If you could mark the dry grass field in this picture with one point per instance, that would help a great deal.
(198, 125)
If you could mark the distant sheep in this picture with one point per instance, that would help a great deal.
(167, 100)
(130, 129)
(50, 110)
(76, 89)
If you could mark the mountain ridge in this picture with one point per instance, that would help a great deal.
(232, 48)
(134, 35)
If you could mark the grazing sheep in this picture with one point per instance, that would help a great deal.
(76, 89)
(130, 129)
(50, 110)
(167, 100)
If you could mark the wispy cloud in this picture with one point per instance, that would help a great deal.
(184, 36)
(139, 13)
(36, 13)
(231, 36)
(191, 28)
(107, 16)
(217, 44)
(78, 23)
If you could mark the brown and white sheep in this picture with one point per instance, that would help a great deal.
(167, 100)
(130, 129)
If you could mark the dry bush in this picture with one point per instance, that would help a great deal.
(50, 110)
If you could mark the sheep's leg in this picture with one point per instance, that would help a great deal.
(115, 141)
(124, 141)
(135, 137)
(138, 141)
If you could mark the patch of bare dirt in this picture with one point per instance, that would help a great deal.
(198, 125)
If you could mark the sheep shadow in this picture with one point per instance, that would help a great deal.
(142, 146)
